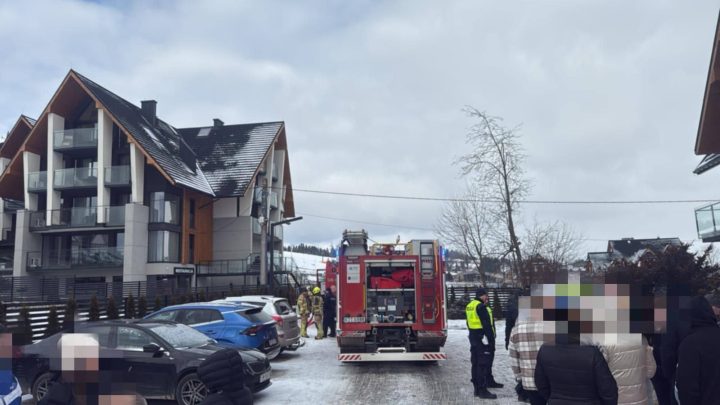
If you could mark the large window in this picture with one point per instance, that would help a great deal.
(163, 246)
(164, 208)
(192, 213)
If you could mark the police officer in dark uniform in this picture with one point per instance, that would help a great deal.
(481, 325)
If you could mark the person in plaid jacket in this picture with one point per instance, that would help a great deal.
(525, 341)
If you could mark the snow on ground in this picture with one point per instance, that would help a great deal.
(313, 374)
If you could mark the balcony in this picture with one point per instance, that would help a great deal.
(77, 138)
(278, 232)
(80, 177)
(107, 256)
(256, 227)
(7, 236)
(273, 200)
(707, 219)
(37, 182)
(115, 215)
(117, 176)
(258, 195)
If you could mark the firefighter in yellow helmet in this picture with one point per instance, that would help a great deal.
(481, 327)
(317, 310)
(303, 312)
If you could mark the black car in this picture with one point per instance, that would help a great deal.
(158, 359)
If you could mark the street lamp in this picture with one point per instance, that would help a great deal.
(271, 278)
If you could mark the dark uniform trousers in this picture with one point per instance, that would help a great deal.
(481, 359)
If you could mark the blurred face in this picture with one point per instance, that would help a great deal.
(333, 289)
(716, 310)
(484, 298)
(80, 357)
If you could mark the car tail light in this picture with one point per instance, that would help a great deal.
(252, 331)
(278, 319)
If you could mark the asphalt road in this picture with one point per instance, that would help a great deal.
(313, 375)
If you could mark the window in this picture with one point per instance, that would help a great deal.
(191, 248)
(192, 213)
(165, 316)
(163, 246)
(196, 316)
(102, 333)
(132, 339)
(283, 308)
(255, 315)
(164, 208)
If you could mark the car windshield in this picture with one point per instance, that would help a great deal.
(181, 336)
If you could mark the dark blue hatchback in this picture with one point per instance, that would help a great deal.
(231, 325)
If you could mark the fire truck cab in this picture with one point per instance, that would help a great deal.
(390, 298)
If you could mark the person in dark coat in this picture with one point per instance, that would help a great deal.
(678, 326)
(222, 373)
(568, 373)
(329, 312)
(698, 370)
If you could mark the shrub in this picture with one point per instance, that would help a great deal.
(25, 331)
(111, 308)
(452, 295)
(158, 303)
(130, 307)
(94, 311)
(53, 325)
(69, 319)
(3, 313)
(497, 306)
(142, 307)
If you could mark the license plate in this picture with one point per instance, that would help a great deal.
(265, 376)
(272, 342)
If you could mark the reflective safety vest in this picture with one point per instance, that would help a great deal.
(473, 320)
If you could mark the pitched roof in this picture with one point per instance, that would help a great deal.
(30, 121)
(158, 139)
(707, 163)
(629, 247)
(229, 155)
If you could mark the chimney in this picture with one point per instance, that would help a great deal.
(217, 122)
(149, 108)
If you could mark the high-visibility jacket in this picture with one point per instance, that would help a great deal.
(473, 320)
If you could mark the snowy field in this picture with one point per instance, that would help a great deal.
(313, 375)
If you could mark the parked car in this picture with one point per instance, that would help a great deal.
(281, 311)
(230, 324)
(158, 358)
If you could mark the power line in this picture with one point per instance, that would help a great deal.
(559, 202)
(366, 222)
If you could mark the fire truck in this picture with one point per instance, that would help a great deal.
(390, 299)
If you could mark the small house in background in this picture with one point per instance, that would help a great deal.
(630, 249)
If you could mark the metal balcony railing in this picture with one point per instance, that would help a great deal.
(117, 176)
(37, 181)
(107, 256)
(707, 219)
(75, 138)
(79, 177)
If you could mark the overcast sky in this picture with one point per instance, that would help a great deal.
(608, 94)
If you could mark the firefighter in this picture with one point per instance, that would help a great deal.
(303, 312)
(317, 310)
(481, 327)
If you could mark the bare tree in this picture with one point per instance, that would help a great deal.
(556, 241)
(495, 166)
(464, 225)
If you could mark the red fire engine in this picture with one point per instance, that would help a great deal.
(390, 300)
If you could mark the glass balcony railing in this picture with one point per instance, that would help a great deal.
(256, 227)
(38, 220)
(258, 195)
(74, 217)
(708, 222)
(37, 181)
(75, 178)
(75, 138)
(115, 216)
(7, 235)
(117, 176)
(106, 256)
(273, 199)
(278, 232)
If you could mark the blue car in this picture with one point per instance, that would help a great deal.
(231, 325)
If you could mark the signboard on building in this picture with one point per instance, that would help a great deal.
(184, 270)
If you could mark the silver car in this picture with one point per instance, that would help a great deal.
(281, 311)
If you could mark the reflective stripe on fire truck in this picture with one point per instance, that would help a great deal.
(392, 357)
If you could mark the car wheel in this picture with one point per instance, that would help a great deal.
(41, 385)
(190, 390)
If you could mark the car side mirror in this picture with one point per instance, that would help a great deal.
(152, 348)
